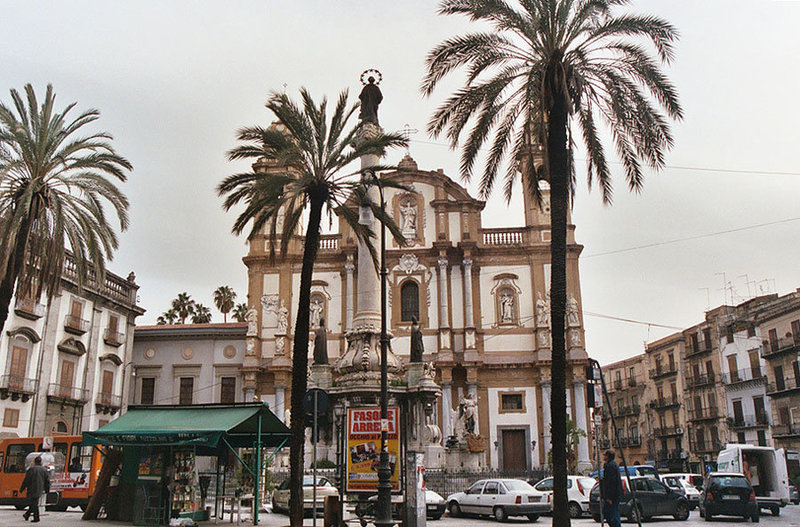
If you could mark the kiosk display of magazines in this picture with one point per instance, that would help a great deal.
(184, 489)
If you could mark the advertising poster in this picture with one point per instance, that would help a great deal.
(69, 480)
(364, 444)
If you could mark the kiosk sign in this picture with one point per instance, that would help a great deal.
(363, 447)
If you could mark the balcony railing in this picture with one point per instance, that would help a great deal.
(605, 443)
(113, 338)
(700, 414)
(785, 431)
(15, 385)
(630, 441)
(618, 384)
(76, 325)
(665, 455)
(782, 387)
(702, 347)
(747, 374)
(632, 382)
(107, 403)
(749, 421)
(504, 236)
(628, 410)
(698, 381)
(67, 393)
(329, 242)
(661, 403)
(658, 373)
(29, 308)
(668, 431)
(705, 447)
(781, 347)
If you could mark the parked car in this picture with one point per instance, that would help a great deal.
(728, 494)
(684, 487)
(280, 496)
(696, 480)
(765, 469)
(633, 470)
(653, 498)
(794, 495)
(578, 488)
(434, 505)
(500, 498)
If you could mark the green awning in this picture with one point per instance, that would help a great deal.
(199, 425)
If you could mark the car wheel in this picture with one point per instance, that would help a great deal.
(681, 512)
(455, 510)
(635, 515)
(500, 514)
(575, 510)
(533, 517)
(776, 511)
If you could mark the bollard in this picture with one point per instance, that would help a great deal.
(331, 512)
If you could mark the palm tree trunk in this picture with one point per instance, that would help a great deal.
(13, 272)
(300, 365)
(559, 203)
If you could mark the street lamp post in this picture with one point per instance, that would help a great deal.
(383, 508)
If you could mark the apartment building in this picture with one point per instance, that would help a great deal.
(665, 409)
(626, 382)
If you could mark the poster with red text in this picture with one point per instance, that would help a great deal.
(364, 446)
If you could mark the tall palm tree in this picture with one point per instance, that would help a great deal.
(183, 305)
(56, 180)
(201, 314)
(240, 312)
(546, 68)
(316, 153)
(169, 316)
(224, 299)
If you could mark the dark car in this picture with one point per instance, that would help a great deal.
(653, 498)
(728, 494)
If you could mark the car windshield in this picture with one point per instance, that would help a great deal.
(646, 471)
(515, 484)
(729, 481)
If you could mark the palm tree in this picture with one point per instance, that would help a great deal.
(201, 314)
(240, 312)
(224, 297)
(169, 316)
(315, 153)
(546, 66)
(56, 180)
(183, 305)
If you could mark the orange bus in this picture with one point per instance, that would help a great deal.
(74, 482)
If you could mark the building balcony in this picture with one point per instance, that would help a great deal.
(108, 403)
(628, 410)
(668, 431)
(667, 455)
(605, 443)
(702, 414)
(663, 403)
(740, 376)
(632, 382)
(699, 381)
(749, 421)
(16, 388)
(113, 338)
(664, 371)
(29, 309)
(785, 431)
(67, 394)
(781, 347)
(706, 447)
(75, 325)
(630, 441)
(618, 384)
(783, 387)
(700, 349)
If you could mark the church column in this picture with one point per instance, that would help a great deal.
(469, 323)
(546, 416)
(349, 287)
(579, 399)
(280, 403)
(444, 319)
(447, 408)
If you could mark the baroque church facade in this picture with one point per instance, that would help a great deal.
(481, 298)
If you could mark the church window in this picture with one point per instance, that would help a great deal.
(511, 401)
(409, 301)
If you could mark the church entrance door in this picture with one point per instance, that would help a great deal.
(514, 450)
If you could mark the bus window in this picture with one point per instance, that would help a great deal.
(61, 448)
(80, 459)
(15, 457)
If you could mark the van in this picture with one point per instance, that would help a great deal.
(765, 469)
(73, 480)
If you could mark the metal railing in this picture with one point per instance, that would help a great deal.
(664, 402)
(782, 386)
(657, 373)
(785, 430)
(704, 379)
(76, 324)
(713, 446)
(702, 347)
(664, 455)
(68, 393)
(749, 421)
(17, 384)
(744, 375)
(446, 482)
(109, 399)
(632, 382)
(705, 412)
(628, 410)
(668, 431)
(780, 346)
(113, 338)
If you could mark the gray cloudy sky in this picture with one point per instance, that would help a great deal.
(174, 80)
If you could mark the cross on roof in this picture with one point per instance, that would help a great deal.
(407, 133)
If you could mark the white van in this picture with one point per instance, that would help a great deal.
(764, 467)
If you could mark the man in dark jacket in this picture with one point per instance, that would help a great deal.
(37, 481)
(611, 489)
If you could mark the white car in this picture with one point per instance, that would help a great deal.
(578, 489)
(500, 498)
(684, 487)
(280, 496)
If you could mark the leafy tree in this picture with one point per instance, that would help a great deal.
(201, 314)
(574, 435)
(314, 153)
(183, 305)
(167, 317)
(546, 68)
(224, 299)
(240, 312)
(56, 181)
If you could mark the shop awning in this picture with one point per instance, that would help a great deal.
(200, 425)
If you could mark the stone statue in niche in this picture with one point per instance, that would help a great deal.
(572, 312)
(321, 344)
(283, 319)
(417, 347)
(542, 311)
(252, 322)
(408, 217)
(506, 307)
(316, 308)
(467, 410)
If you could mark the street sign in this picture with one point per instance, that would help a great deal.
(322, 401)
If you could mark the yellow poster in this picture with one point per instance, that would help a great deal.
(364, 446)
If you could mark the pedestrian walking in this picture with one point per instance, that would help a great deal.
(37, 482)
(611, 489)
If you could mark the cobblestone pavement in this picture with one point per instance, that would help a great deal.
(790, 516)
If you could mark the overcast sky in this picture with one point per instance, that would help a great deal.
(174, 80)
